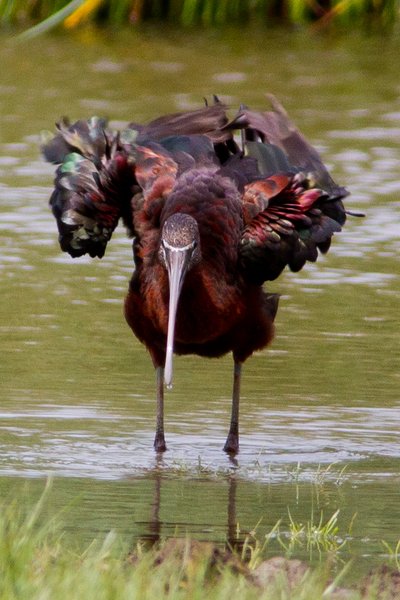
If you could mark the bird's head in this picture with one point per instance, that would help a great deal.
(179, 251)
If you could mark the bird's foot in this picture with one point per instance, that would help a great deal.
(232, 444)
(159, 443)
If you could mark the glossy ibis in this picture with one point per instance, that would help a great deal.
(215, 207)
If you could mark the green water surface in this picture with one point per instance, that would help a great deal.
(77, 390)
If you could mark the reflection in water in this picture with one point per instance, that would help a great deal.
(154, 528)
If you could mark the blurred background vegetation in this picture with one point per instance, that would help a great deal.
(46, 14)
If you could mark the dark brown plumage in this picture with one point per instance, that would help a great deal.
(211, 219)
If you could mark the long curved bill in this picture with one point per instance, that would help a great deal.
(177, 262)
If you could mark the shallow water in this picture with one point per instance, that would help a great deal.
(77, 389)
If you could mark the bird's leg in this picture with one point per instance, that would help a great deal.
(159, 440)
(232, 441)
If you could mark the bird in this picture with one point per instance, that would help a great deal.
(216, 205)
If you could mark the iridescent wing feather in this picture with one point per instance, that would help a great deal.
(293, 209)
(93, 185)
(103, 175)
(291, 205)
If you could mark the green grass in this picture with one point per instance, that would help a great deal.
(37, 564)
(206, 13)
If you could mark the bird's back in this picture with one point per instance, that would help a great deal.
(214, 201)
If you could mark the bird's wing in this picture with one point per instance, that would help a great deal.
(286, 222)
(93, 184)
(294, 207)
(105, 175)
(285, 148)
(209, 121)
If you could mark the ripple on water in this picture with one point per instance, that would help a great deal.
(367, 133)
(106, 445)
